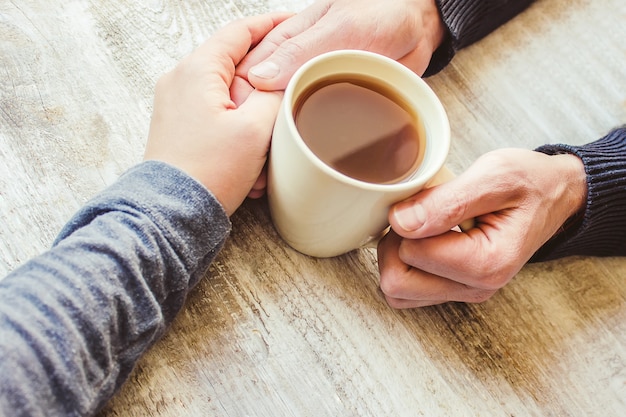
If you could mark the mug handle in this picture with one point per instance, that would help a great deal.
(444, 175)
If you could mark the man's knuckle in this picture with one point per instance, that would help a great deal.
(390, 284)
(394, 303)
(480, 295)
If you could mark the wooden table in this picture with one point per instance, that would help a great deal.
(271, 332)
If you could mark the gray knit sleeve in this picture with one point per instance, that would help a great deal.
(601, 229)
(74, 321)
(468, 21)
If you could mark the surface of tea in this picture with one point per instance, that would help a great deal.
(361, 128)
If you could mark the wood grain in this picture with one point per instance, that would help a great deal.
(270, 332)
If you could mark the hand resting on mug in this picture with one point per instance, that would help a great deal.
(404, 30)
(408, 31)
(520, 199)
(225, 130)
(351, 184)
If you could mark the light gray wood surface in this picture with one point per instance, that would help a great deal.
(270, 332)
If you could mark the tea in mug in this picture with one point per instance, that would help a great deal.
(361, 128)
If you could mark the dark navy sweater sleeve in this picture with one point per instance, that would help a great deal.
(75, 320)
(468, 21)
(600, 230)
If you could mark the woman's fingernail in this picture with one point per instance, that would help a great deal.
(409, 216)
(265, 70)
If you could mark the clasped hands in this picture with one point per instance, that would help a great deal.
(213, 115)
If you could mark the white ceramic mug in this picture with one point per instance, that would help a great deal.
(320, 211)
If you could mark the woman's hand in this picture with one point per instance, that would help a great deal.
(211, 123)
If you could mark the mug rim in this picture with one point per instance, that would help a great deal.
(418, 177)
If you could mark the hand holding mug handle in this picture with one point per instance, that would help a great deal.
(444, 175)
(520, 199)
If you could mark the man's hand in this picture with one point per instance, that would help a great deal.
(519, 199)
(405, 30)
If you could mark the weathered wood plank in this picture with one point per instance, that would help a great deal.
(272, 332)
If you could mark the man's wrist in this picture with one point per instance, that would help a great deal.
(435, 29)
(439, 38)
(575, 179)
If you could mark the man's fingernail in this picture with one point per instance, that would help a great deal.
(409, 216)
(265, 70)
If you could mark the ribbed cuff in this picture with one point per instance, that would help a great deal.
(602, 229)
(468, 22)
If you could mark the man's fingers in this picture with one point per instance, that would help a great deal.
(281, 52)
(399, 303)
(234, 40)
(405, 286)
(486, 257)
(215, 60)
(488, 186)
